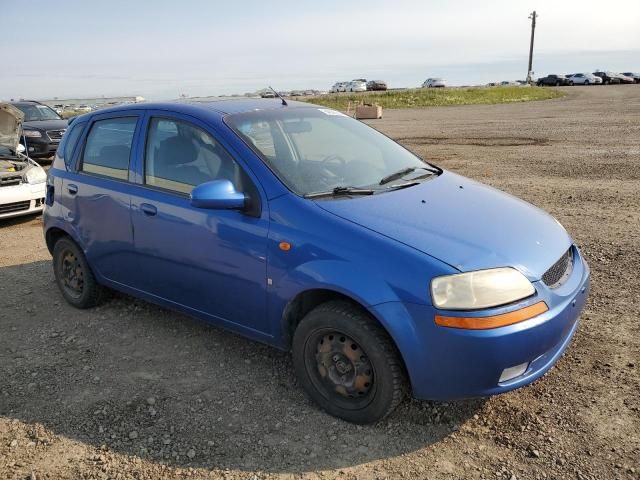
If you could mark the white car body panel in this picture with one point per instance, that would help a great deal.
(34, 194)
(24, 198)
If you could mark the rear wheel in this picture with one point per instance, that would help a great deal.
(557, 84)
(586, 82)
(347, 363)
(74, 276)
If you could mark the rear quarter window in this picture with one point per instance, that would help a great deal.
(69, 142)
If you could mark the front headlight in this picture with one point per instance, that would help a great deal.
(36, 175)
(31, 133)
(480, 289)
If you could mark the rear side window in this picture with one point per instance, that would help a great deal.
(108, 147)
(69, 141)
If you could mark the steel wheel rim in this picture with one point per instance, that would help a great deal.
(71, 274)
(340, 369)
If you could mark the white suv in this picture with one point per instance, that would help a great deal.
(357, 86)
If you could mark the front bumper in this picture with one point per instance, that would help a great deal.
(40, 147)
(450, 363)
(24, 199)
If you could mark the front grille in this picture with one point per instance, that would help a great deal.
(14, 207)
(56, 134)
(559, 271)
(10, 181)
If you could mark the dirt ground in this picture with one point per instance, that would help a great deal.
(129, 390)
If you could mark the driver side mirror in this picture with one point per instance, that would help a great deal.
(218, 195)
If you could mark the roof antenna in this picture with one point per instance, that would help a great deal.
(284, 102)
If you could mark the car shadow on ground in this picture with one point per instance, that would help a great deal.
(140, 380)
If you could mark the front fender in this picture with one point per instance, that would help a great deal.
(364, 287)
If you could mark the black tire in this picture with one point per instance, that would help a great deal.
(586, 82)
(338, 339)
(74, 276)
(557, 84)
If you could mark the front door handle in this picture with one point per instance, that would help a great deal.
(148, 209)
(73, 189)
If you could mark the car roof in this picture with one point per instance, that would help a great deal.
(221, 107)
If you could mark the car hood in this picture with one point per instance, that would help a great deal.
(10, 124)
(463, 223)
(46, 124)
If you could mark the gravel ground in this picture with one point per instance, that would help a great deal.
(129, 390)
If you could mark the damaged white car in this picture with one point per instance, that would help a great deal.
(22, 181)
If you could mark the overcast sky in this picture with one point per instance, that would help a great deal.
(162, 48)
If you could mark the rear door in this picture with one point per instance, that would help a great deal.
(96, 193)
(210, 262)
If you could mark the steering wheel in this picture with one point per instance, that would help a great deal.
(334, 159)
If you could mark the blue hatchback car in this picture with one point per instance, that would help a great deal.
(300, 227)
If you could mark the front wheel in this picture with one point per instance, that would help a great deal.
(586, 82)
(347, 363)
(74, 276)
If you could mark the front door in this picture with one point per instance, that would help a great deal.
(212, 262)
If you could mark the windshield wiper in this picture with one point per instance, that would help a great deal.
(396, 175)
(338, 191)
(400, 186)
(401, 173)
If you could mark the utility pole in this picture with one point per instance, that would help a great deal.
(533, 15)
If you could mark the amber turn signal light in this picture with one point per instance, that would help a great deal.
(493, 321)
(285, 246)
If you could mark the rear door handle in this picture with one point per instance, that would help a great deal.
(148, 209)
(73, 189)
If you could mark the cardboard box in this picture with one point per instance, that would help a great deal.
(368, 111)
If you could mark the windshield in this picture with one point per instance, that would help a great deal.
(34, 112)
(317, 150)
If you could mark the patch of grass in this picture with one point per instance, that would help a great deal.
(69, 114)
(435, 97)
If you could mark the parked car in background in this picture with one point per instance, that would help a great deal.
(83, 108)
(625, 78)
(608, 77)
(635, 76)
(297, 93)
(22, 181)
(554, 80)
(42, 128)
(507, 83)
(356, 86)
(434, 83)
(267, 94)
(430, 301)
(339, 87)
(584, 79)
(376, 85)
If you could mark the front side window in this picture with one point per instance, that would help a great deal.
(108, 147)
(316, 149)
(180, 156)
